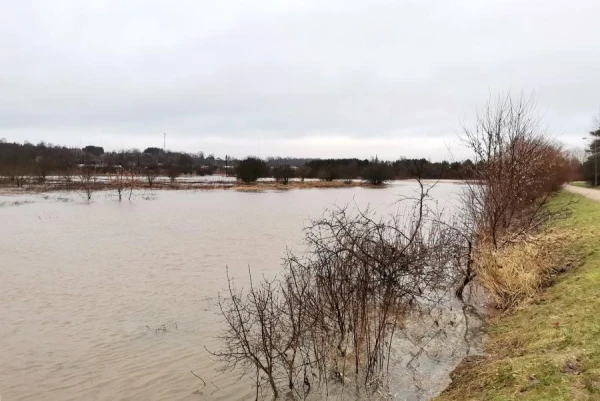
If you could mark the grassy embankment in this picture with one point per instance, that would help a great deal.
(547, 348)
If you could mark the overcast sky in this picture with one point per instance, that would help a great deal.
(290, 77)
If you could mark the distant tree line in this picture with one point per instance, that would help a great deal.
(334, 169)
(373, 171)
(21, 162)
(41, 160)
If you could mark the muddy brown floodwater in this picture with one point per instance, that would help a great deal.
(117, 300)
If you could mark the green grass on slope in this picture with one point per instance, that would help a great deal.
(548, 348)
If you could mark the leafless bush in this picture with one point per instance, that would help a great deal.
(173, 172)
(20, 179)
(516, 170)
(335, 310)
(254, 340)
(151, 175)
(18, 173)
(124, 182)
(132, 182)
(66, 175)
(118, 181)
(87, 177)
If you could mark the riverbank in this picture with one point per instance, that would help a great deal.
(548, 348)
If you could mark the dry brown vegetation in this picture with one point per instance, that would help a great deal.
(516, 171)
(514, 273)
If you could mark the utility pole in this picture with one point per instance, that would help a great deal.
(164, 141)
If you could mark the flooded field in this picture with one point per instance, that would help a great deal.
(117, 300)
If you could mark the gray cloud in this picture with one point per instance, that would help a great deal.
(295, 77)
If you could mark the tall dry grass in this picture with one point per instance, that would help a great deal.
(518, 271)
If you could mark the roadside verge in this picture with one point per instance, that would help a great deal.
(547, 348)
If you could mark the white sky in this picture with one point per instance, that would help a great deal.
(292, 78)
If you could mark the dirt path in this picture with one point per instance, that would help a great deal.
(593, 194)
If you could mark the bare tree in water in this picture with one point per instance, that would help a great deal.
(132, 181)
(87, 177)
(151, 174)
(173, 172)
(118, 181)
(124, 182)
(335, 310)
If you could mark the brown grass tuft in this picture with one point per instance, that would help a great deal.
(519, 271)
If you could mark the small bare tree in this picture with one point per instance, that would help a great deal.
(173, 172)
(118, 181)
(66, 174)
(250, 338)
(19, 172)
(151, 175)
(87, 178)
(124, 182)
(516, 170)
(132, 181)
(20, 178)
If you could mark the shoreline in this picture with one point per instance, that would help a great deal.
(259, 186)
(163, 185)
(547, 348)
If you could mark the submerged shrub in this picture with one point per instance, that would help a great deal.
(335, 310)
